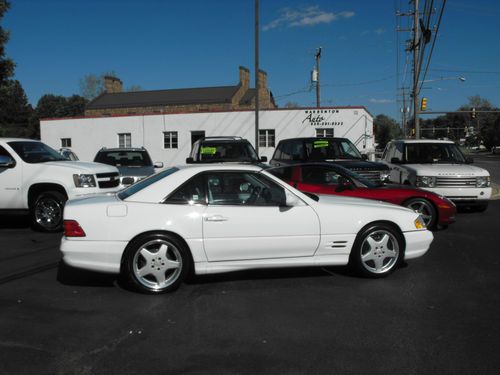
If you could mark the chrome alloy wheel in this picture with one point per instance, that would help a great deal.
(48, 212)
(423, 208)
(379, 251)
(157, 264)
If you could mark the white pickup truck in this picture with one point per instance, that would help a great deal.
(438, 166)
(35, 178)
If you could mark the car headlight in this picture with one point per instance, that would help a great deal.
(384, 176)
(426, 181)
(419, 222)
(483, 181)
(84, 180)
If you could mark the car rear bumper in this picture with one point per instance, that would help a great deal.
(101, 256)
(417, 243)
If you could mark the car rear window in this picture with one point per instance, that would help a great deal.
(128, 192)
(124, 158)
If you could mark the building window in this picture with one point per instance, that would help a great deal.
(124, 140)
(266, 138)
(324, 133)
(170, 140)
(65, 142)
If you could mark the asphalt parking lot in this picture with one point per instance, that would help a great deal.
(438, 314)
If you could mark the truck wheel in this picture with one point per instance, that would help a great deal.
(481, 207)
(47, 211)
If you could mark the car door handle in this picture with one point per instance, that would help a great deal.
(216, 218)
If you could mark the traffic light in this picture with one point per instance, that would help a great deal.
(473, 113)
(423, 104)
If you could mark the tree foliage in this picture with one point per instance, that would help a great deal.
(386, 128)
(6, 64)
(15, 111)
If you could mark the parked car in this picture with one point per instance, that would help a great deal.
(337, 150)
(438, 166)
(495, 150)
(68, 154)
(223, 149)
(134, 164)
(326, 178)
(36, 179)
(228, 217)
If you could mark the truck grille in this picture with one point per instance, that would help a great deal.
(369, 175)
(108, 180)
(468, 182)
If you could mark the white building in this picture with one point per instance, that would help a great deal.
(168, 137)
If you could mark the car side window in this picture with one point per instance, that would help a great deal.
(242, 188)
(297, 150)
(398, 151)
(319, 175)
(191, 192)
(4, 152)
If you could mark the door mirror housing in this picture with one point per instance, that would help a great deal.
(189, 160)
(158, 164)
(344, 184)
(263, 159)
(395, 161)
(7, 162)
(290, 200)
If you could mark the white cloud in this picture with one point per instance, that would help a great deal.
(379, 31)
(309, 16)
(380, 101)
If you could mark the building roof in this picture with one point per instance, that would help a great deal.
(248, 97)
(203, 95)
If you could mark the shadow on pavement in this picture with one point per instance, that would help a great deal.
(14, 221)
(68, 275)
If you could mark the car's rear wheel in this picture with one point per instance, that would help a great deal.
(47, 211)
(377, 251)
(155, 263)
(425, 209)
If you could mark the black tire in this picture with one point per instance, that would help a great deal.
(425, 208)
(168, 267)
(46, 211)
(481, 207)
(380, 258)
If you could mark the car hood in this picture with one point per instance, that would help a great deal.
(82, 167)
(337, 200)
(360, 164)
(136, 171)
(447, 170)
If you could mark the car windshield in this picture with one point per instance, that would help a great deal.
(132, 189)
(429, 153)
(35, 152)
(128, 158)
(329, 149)
(227, 151)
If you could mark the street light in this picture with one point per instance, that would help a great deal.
(461, 79)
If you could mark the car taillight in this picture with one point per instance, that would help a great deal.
(73, 229)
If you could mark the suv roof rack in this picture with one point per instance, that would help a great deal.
(221, 137)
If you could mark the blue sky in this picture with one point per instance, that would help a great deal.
(175, 44)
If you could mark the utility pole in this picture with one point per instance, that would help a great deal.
(318, 56)
(257, 76)
(415, 69)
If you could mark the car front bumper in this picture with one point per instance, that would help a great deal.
(417, 243)
(463, 195)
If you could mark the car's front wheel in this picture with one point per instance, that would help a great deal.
(425, 209)
(377, 251)
(155, 263)
(47, 211)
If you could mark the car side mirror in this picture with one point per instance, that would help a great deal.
(469, 160)
(364, 156)
(290, 200)
(7, 162)
(158, 164)
(189, 160)
(344, 184)
(395, 161)
(263, 159)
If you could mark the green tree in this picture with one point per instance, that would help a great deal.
(386, 128)
(6, 64)
(15, 111)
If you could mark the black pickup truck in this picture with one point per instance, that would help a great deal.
(336, 150)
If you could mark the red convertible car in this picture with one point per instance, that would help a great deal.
(322, 178)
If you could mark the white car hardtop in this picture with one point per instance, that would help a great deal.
(220, 218)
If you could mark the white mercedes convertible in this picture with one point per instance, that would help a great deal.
(221, 218)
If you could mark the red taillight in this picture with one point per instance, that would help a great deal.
(73, 229)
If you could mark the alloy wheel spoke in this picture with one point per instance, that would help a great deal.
(144, 271)
(379, 263)
(384, 240)
(159, 276)
(148, 255)
(172, 264)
